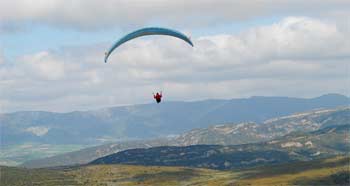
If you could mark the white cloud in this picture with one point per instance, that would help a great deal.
(38, 130)
(296, 37)
(297, 56)
(44, 66)
(87, 14)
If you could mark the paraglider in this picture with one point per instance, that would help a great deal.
(146, 32)
(158, 97)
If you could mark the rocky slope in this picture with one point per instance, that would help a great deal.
(326, 142)
(249, 132)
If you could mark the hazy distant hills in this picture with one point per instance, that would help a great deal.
(326, 142)
(88, 154)
(228, 134)
(149, 120)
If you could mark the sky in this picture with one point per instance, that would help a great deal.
(52, 51)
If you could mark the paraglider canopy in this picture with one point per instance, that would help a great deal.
(145, 32)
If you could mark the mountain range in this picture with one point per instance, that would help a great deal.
(149, 120)
(226, 134)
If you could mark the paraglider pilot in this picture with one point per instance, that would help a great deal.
(158, 96)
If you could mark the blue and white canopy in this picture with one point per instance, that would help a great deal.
(145, 32)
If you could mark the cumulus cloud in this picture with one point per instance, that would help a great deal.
(37, 130)
(43, 66)
(297, 56)
(90, 14)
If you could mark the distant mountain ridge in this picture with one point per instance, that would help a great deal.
(150, 120)
(250, 132)
(327, 142)
(227, 134)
